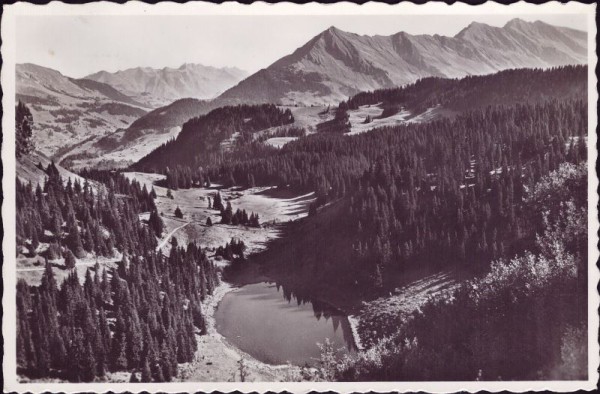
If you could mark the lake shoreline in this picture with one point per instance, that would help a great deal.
(222, 357)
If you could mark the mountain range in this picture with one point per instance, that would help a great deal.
(159, 87)
(336, 64)
(86, 117)
(112, 117)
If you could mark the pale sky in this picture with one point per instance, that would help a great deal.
(80, 45)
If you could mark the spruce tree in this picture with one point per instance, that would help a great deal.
(227, 214)
(156, 223)
(35, 242)
(75, 242)
(133, 378)
(70, 260)
(118, 352)
(217, 202)
(23, 132)
(88, 364)
(146, 374)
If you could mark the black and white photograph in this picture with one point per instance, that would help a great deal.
(299, 197)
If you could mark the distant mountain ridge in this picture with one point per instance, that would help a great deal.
(159, 87)
(33, 79)
(83, 121)
(67, 111)
(336, 64)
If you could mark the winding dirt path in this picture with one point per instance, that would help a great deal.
(168, 236)
(78, 264)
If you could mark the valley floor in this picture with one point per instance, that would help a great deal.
(273, 207)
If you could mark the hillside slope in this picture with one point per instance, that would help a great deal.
(32, 168)
(126, 146)
(433, 97)
(200, 139)
(68, 111)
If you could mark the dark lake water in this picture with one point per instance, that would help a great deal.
(275, 326)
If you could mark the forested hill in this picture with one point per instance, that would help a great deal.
(540, 298)
(201, 137)
(438, 193)
(503, 88)
(142, 315)
(174, 114)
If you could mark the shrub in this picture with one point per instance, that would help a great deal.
(178, 213)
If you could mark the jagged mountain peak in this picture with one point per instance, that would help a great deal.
(330, 33)
(528, 27)
(331, 40)
(517, 22)
(332, 30)
(475, 29)
(538, 26)
(161, 86)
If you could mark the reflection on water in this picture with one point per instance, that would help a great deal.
(275, 326)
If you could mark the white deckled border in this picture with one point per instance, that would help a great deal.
(11, 13)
